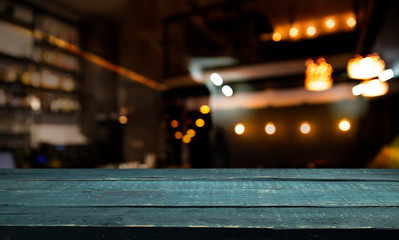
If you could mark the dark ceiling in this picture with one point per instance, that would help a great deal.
(192, 29)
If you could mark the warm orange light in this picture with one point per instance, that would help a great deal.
(311, 31)
(239, 129)
(318, 75)
(293, 32)
(186, 139)
(174, 123)
(305, 128)
(98, 60)
(122, 119)
(178, 135)
(276, 37)
(330, 23)
(344, 125)
(365, 68)
(199, 122)
(191, 132)
(205, 109)
(270, 128)
(351, 22)
(372, 88)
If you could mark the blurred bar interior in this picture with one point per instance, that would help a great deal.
(199, 84)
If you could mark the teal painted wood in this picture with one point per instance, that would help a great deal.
(280, 199)
(201, 174)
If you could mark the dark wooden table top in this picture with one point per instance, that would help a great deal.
(199, 203)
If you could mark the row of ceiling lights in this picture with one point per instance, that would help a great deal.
(305, 128)
(318, 74)
(311, 28)
(270, 129)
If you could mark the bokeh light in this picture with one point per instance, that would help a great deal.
(186, 139)
(344, 125)
(199, 122)
(270, 128)
(205, 109)
(330, 23)
(191, 132)
(276, 37)
(351, 22)
(239, 129)
(305, 128)
(216, 79)
(178, 135)
(174, 123)
(311, 31)
(227, 91)
(122, 119)
(293, 32)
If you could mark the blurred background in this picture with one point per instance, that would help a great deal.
(199, 84)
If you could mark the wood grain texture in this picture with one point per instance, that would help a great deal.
(284, 200)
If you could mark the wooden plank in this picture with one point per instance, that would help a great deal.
(276, 218)
(199, 193)
(196, 203)
(200, 174)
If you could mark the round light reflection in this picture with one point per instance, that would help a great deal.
(330, 23)
(216, 79)
(205, 109)
(174, 123)
(227, 91)
(276, 37)
(239, 129)
(199, 122)
(122, 119)
(270, 128)
(344, 125)
(310, 31)
(293, 32)
(351, 22)
(305, 128)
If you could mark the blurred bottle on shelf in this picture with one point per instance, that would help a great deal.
(11, 74)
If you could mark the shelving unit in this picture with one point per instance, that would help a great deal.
(39, 81)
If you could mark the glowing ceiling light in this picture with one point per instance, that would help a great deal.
(344, 125)
(330, 23)
(386, 75)
(305, 128)
(359, 89)
(174, 123)
(293, 32)
(205, 109)
(199, 122)
(191, 132)
(270, 128)
(311, 31)
(239, 128)
(318, 75)
(276, 37)
(186, 138)
(178, 135)
(216, 79)
(375, 88)
(351, 22)
(365, 68)
(122, 119)
(227, 91)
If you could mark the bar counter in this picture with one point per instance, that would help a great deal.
(199, 204)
